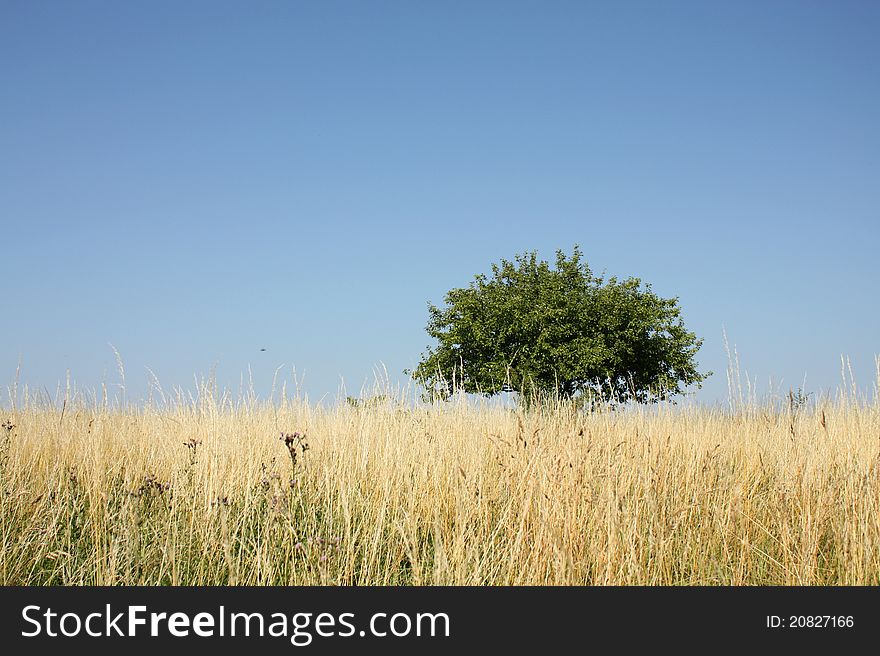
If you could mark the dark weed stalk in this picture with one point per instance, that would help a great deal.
(152, 503)
(285, 501)
(5, 445)
(294, 441)
(8, 427)
(192, 445)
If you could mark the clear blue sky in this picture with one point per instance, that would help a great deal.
(195, 181)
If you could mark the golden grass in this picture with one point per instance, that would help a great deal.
(462, 493)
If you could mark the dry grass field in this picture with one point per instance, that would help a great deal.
(209, 492)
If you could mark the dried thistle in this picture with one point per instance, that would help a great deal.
(151, 486)
(294, 441)
(192, 445)
(8, 427)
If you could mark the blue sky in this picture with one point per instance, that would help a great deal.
(195, 181)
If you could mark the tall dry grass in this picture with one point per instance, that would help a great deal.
(463, 493)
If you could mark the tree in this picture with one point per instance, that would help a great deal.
(538, 330)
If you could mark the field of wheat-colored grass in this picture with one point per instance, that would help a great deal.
(457, 493)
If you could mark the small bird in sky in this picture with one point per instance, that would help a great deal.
(262, 349)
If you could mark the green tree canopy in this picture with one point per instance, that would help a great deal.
(536, 329)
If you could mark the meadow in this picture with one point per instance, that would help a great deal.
(210, 491)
